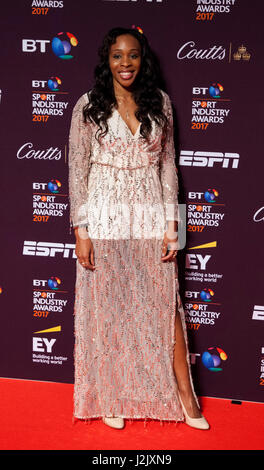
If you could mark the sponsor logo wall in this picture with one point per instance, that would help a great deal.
(210, 56)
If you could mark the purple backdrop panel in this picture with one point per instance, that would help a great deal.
(211, 58)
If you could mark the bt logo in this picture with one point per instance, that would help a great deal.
(210, 195)
(61, 45)
(53, 83)
(214, 90)
(32, 45)
(53, 186)
(53, 282)
(206, 294)
(213, 358)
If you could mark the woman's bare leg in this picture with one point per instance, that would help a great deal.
(181, 371)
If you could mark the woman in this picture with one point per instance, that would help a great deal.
(131, 351)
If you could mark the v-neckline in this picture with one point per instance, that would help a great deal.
(132, 135)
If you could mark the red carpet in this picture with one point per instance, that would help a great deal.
(38, 416)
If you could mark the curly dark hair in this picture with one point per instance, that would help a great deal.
(146, 90)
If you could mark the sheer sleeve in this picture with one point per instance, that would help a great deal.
(79, 164)
(168, 170)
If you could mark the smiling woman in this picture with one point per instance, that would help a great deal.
(137, 96)
(131, 349)
(125, 59)
(125, 62)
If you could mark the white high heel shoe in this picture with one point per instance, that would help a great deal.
(117, 423)
(198, 423)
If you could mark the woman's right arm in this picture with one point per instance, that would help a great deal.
(84, 248)
(79, 163)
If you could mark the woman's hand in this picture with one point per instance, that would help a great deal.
(170, 245)
(84, 248)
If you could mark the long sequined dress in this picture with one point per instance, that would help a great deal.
(124, 190)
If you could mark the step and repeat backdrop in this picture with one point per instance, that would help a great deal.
(210, 53)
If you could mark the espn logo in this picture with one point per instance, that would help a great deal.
(258, 312)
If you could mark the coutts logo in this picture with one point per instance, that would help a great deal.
(190, 51)
(27, 151)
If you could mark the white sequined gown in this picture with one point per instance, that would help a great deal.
(124, 190)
